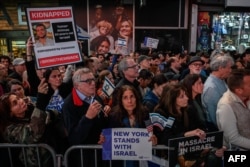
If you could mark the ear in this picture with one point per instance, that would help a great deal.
(155, 85)
(238, 91)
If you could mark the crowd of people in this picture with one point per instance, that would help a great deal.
(65, 106)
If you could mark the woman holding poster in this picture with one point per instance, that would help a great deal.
(129, 113)
(197, 117)
(173, 104)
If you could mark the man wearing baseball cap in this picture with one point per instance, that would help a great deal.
(19, 68)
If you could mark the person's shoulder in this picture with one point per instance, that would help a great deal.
(68, 99)
(121, 82)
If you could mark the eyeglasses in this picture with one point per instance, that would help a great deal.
(133, 66)
(88, 81)
(197, 64)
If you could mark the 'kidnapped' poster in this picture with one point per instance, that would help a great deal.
(54, 36)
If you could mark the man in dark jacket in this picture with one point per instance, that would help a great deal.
(129, 71)
(84, 115)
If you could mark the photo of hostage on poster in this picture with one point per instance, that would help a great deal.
(54, 36)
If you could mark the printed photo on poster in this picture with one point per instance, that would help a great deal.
(115, 23)
(54, 36)
(43, 34)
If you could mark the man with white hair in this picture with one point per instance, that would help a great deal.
(195, 66)
(129, 71)
(84, 114)
(215, 86)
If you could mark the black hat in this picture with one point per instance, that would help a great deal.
(194, 59)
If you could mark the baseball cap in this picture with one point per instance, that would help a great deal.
(18, 61)
(142, 57)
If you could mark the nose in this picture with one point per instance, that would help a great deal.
(20, 101)
(129, 100)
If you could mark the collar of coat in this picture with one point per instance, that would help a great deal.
(76, 99)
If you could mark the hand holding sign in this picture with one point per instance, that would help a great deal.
(197, 132)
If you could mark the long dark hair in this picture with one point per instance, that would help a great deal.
(188, 82)
(5, 110)
(48, 72)
(120, 111)
(168, 98)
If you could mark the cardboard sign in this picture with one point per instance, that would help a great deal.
(126, 144)
(191, 148)
(54, 36)
(151, 42)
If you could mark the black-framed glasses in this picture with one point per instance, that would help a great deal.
(197, 64)
(133, 66)
(88, 81)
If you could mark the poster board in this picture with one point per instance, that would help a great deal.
(151, 42)
(126, 144)
(111, 27)
(54, 36)
(190, 148)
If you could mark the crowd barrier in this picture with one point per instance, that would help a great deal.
(95, 148)
(10, 153)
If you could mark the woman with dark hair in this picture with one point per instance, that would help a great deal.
(100, 45)
(15, 86)
(152, 97)
(22, 126)
(197, 116)
(130, 113)
(58, 91)
(173, 103)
